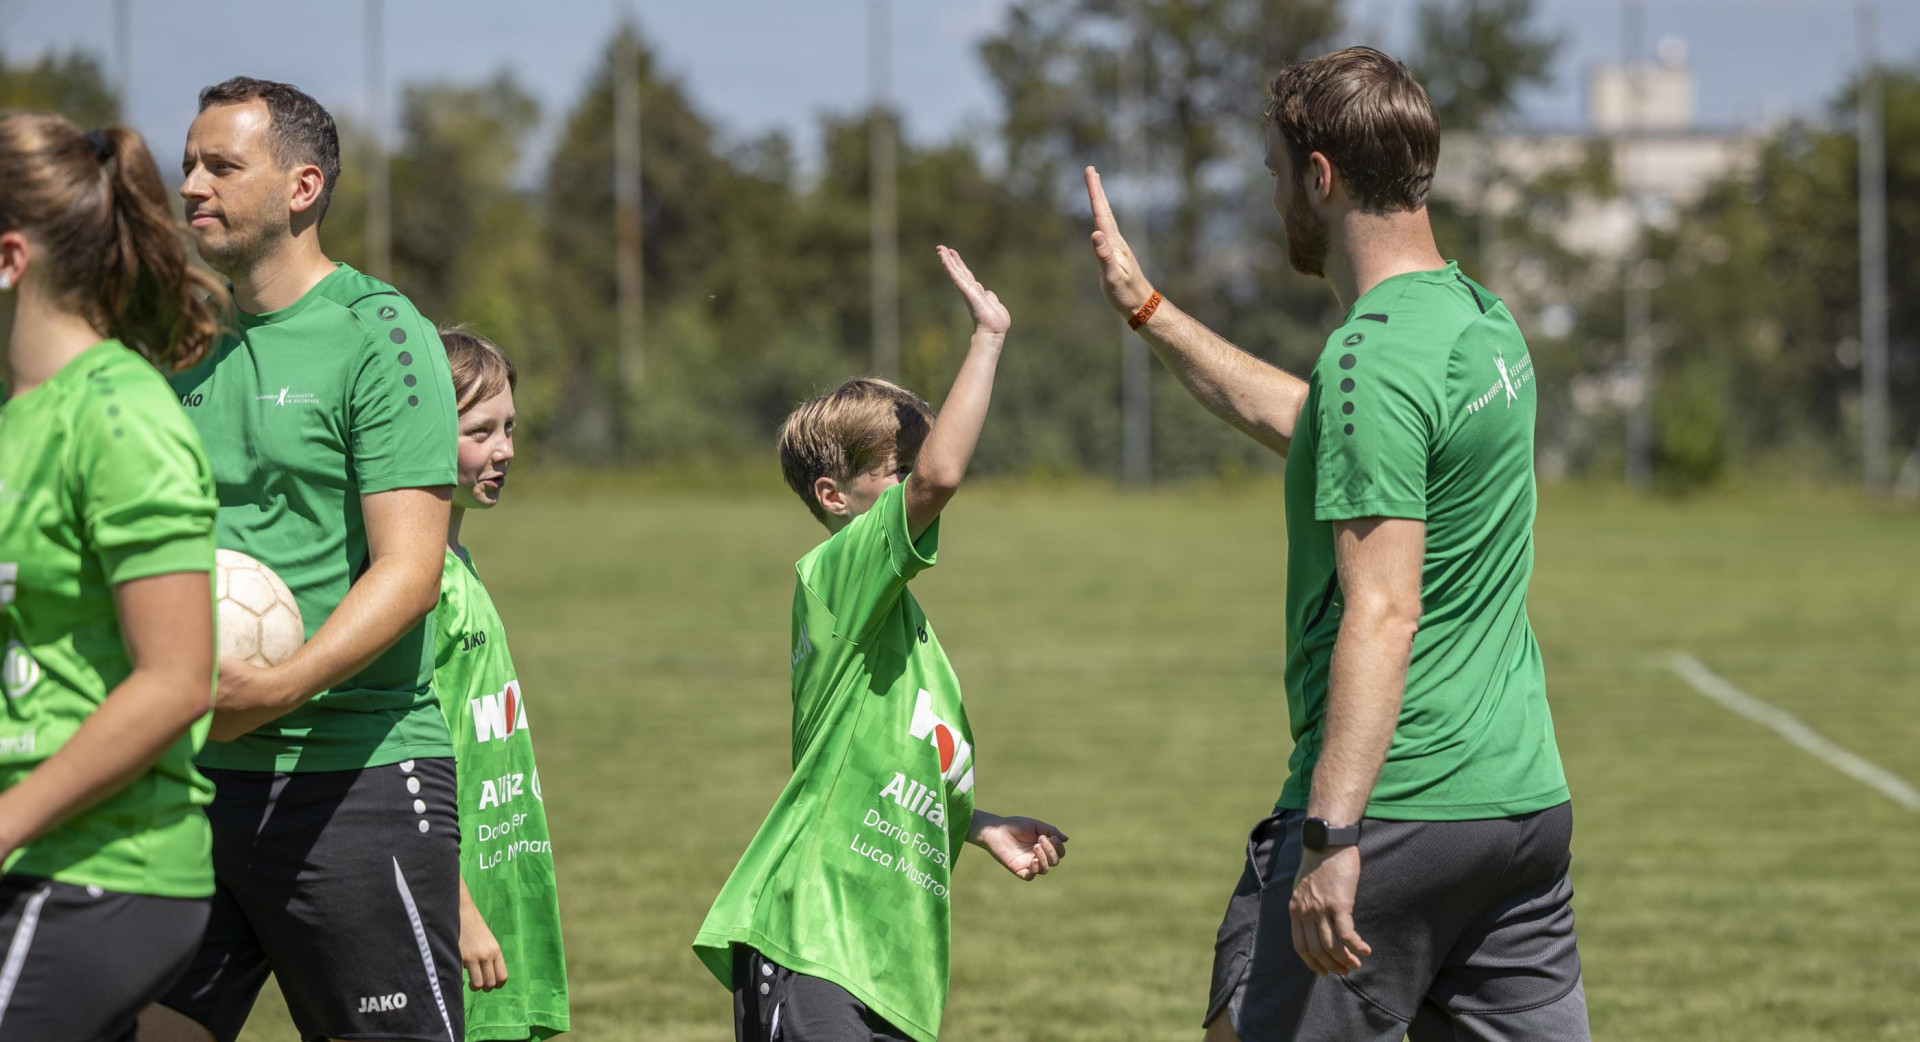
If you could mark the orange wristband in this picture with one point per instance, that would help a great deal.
(1146, 311)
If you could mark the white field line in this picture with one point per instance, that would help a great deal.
(1788, 726)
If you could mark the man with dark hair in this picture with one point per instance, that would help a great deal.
(1422, 743)
(328, 416)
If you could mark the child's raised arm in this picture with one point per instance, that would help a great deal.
(949, 446)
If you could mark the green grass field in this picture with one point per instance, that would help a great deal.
(1122, 659)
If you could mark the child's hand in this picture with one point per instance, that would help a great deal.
(479, 951)
(1028, 847)
(989, 315)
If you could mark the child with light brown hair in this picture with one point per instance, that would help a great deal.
(835, 924)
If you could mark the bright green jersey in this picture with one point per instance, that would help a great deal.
(1422, 407)
(102, 481)
(847, 878)
(342, 393)
(505, 854)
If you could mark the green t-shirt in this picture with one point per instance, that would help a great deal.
(847, 879)
(505, 854)
(1422, 406)
(304, 410)
(102, 481)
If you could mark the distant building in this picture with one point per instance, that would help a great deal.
(1640, 118)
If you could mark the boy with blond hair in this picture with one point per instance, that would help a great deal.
(835, 924)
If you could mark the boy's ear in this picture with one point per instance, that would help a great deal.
(831, 498)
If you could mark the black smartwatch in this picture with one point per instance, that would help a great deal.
(1316, 835)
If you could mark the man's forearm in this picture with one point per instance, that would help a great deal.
(1253, 395)
(1364, 689)
(377, 611)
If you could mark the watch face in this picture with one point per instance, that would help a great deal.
(1313, 834)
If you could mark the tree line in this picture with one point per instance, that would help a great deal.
(757, 270)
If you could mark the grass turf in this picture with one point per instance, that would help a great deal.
(1122, 659)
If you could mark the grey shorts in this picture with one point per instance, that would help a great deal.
(774, 1004)
(1471, 925)
(82, 962)
(345, 885)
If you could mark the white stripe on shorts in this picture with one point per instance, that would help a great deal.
(426, 950)
(17, 951)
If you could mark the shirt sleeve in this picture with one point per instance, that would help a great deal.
(404, 429)
(144, 489)
(1377, 413)
(861, 570)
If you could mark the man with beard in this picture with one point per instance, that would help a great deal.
(1422, 743)
(328, 416)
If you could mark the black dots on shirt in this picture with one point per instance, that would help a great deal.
(1348, 361)
(398, 336)
(406, 357)
(413, 399)
(410, 380)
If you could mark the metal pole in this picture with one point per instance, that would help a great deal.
(882, 172)
(629, 266)
(1635, 285)
(1876, 407)
(123, 58)
(379, 201)
(1136, 362)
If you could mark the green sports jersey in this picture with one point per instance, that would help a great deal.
(1422, 406)
(102, 481)
(505, 854)
(304, 410)
(847, 878)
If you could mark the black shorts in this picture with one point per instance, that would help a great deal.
(346, 886)
(82, 962)
(774, 1004)
(1471, 925)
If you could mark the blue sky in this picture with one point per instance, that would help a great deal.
(754, 65)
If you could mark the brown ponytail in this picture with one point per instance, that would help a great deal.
(95, 206)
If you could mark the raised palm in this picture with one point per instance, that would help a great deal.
(989, 314)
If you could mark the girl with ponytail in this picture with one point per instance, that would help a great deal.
(106, 602)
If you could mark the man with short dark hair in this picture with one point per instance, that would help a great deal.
(328, 416)
(1422, 743)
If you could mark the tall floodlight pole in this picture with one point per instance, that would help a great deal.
(123, 57)
(379, 201)
(882, 172)
(1136, 365)
(1876, 409)
(1635, 285)
(629, 269)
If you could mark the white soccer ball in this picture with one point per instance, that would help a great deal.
(259, 621)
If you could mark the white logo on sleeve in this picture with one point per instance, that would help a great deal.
(1510, 380)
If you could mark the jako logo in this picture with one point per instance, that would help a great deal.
(499, 715)
(383, 1003)
(955, 752)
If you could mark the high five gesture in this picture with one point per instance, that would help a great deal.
(1252, 395)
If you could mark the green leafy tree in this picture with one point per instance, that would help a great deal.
(71, 84)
